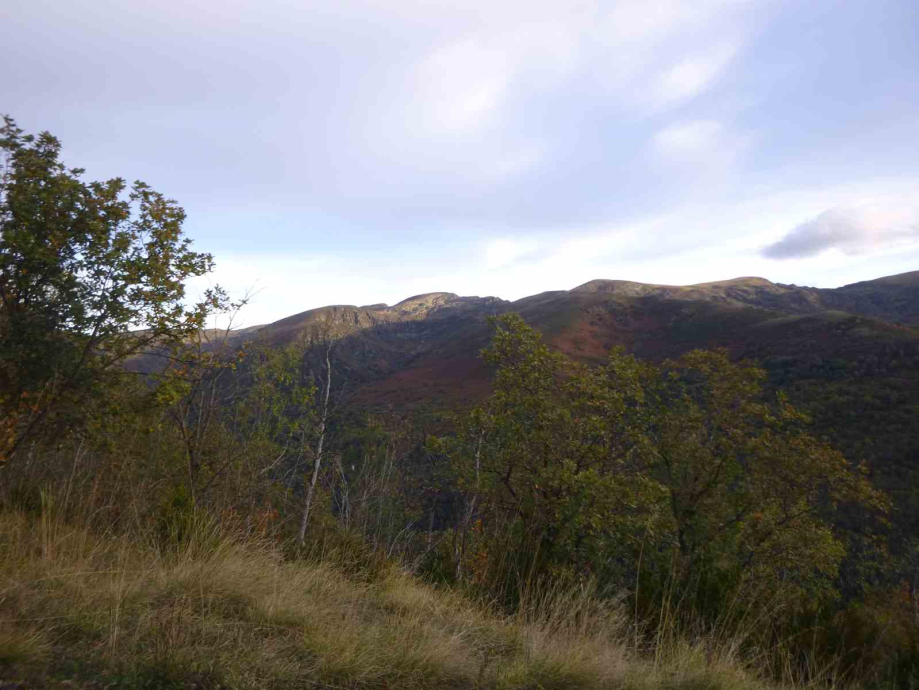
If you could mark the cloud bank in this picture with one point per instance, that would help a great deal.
(857, 230)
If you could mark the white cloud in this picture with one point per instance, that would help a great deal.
(461, 85)
(692, 75)
(468, 101)
(413, 132)
(704, 155)
(851, 230)
(643, 21)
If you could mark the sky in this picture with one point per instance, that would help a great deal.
(363, 151)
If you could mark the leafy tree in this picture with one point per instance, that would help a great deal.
(751, 493)
(91, 273)
(550, 469)
(688, 465)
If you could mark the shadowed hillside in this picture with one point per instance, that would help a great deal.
(425, 348)
(857, 374)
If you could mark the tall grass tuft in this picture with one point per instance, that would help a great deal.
(225, 608)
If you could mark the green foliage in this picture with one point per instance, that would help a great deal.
(685, 469)
(239, 412)
(749, 487)
(551, 470)
(81, 265)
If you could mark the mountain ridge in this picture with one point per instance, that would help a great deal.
(891, 298)
(849, 356)
(426, 346)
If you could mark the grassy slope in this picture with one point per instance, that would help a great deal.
(115, 612)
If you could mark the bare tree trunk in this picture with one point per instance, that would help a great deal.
(470, 507)
(323, 419)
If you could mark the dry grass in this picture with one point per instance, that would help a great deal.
(107, 611)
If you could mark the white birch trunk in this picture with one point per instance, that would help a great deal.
(323, 419)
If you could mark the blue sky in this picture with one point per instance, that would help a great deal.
(362, 151)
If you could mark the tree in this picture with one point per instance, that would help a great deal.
(324, 340)
(552, 467)
(320, 444)
(91, 273)
(196, 394)
(751, 493)
(690, 463)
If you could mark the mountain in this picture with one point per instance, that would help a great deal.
(849, 356)
(425, 348)
(378, 346)
(894, 298)
(343, 320)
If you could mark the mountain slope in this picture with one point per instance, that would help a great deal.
(829, 350)
(425, 350)
(377, 341)
(856, 374)
(893, 298)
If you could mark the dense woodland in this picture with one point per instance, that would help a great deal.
(703, 496)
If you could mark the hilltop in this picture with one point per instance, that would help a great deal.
(425, 348)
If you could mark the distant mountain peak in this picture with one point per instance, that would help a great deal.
(590, 318)
(632, 288)
(605, 285)
(753, 281)
(426, 298)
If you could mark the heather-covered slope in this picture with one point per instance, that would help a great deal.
(857, 375)
(424, 349)
(750, 316)
(893, 298)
